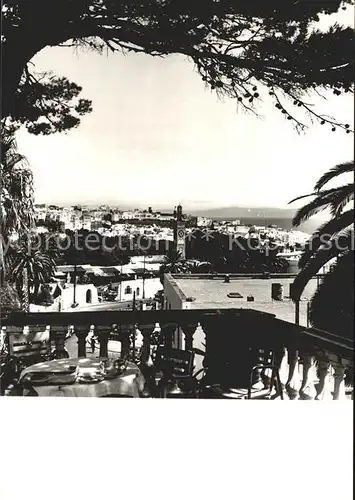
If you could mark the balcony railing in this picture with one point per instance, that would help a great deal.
(234, 341)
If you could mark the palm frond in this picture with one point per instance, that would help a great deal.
(16, 190)
(302, 197)
(343, 196)
(327, 230)
(334, 248)
(342, 168)
(332, 306)
(322, 201)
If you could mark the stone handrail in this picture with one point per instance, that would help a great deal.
(238, 330)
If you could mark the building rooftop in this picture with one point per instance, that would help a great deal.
(209, 293)
(70, 269)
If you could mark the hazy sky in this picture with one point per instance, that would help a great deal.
(157, 137)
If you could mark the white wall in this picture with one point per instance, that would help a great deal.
(151, 287)
(55, 307)
(64, 301)
(171, 298)
(80, 296)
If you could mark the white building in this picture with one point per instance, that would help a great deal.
(40, 212)
(297, 237)
(64, 296)
(127, 289)
(66, 216)
(203, 222)
(189, 292)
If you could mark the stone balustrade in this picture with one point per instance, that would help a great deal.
(312, 364)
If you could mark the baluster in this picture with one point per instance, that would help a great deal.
(2, 378)
(176, 339)
(81, 332)
(349, 379)
(60, 351)
(146, 331)
(339, 379)
(293, 383)
(146, 365)
(323, 388)
(260, 377)
(168, 333)
(209, 323)
(103, 334)
(189, 331)
(156, 339)
(113, 334)
(281, 362)
(46, 343)
(307, 390)
(125, 333)
(48, 340)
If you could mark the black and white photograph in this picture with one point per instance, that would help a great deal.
(187, 231)
(177, 202)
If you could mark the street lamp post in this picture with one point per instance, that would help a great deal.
(134, 301)
(121, 285)
(74, 304)
(143, 295)
(297, 312)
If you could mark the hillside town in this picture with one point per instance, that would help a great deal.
(109, 221)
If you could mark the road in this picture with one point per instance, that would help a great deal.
(106, 306)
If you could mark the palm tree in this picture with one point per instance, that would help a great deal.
(333, 238)
(16, 195)
(74, 256)
(30, 268)
(44, 297)
(204, 267)
(330, 307)
(16, 190)
(173, 264)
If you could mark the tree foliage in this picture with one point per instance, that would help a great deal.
(237, 255)
(44, 297)
(334, 238)
(332, 306)
(40, 265)
(46, 104)
(16, 188)
(9, 299)
(174, 263)
(250, 51)
(16, 196)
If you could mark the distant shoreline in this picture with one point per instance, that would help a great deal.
(281, 222)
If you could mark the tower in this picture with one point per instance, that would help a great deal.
(179, 232)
